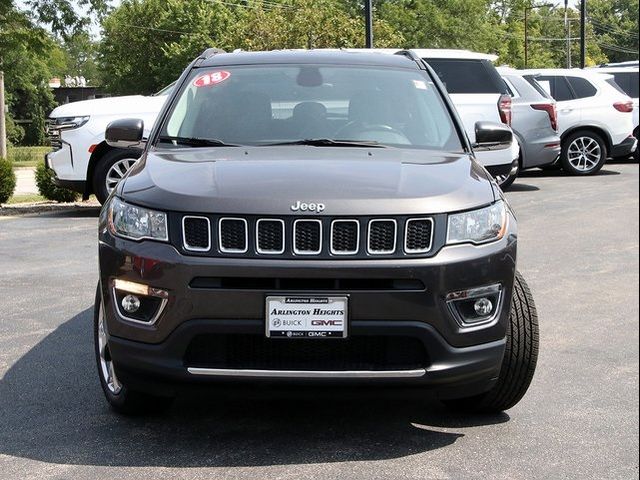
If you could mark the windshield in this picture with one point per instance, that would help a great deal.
(285, 104)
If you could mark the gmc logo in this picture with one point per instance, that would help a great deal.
(326, 323)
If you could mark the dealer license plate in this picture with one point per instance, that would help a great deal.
(306, 317)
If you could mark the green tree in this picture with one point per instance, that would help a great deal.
(615, 27)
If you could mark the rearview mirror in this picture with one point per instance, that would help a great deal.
(125, 133)
(492, 136)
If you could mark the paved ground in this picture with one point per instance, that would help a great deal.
(25, 181)
(579, 251)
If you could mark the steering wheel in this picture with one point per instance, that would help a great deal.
(357, 130)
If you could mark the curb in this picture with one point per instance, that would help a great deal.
(46, 207)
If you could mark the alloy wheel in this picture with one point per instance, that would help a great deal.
(117, 171)
(106, 365)
(584, 154)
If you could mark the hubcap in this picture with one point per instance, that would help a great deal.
(584, 154)
(117, 171)
(106, 365)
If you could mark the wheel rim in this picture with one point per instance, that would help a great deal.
(584, 154)
(117, 171)
(106, 365)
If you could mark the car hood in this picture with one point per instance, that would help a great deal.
(131, 104)
(269, 180)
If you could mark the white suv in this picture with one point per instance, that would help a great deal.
(478, 93)
(81, 159)
(594, 118)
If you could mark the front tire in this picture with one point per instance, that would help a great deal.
(583, 153)
(109, 171)
(519, 361)
(120, 396)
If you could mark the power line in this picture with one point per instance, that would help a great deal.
(610, 29)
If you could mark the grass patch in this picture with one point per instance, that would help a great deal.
(27, 198)
(27, 156)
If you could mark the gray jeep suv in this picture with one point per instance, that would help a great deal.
(311, 216)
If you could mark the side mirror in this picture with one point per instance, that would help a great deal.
(125, 133)
(492, 136)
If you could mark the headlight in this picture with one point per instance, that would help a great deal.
(478, 226)
(69, 123)
(136, 223)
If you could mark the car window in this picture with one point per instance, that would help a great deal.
(558, 87)
(165, 91)
(267, 104)
(534, 83)
(468, 76)
(582, 87)
(511, 89)
(628, 81)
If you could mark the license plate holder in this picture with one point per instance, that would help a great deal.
(306, 316)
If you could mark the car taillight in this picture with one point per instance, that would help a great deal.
(504, 107)
(625, 107)
(550, 108)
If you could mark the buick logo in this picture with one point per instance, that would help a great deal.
(307, 207)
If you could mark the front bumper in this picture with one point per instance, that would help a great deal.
(625, 148)
(458, 362)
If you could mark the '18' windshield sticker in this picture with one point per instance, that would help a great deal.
(420, 84)
(211, 78)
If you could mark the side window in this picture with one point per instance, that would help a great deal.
(559, 87)
(582, 87)
(628, 82)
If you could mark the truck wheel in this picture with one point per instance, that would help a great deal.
(121, 398)
(520, 357)
(109, 171)
(583, 153)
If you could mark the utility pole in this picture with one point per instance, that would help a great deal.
(368, 23)
(3, 128)
(567, 26)
(583, 26)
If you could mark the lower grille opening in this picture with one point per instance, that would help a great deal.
(316, 284)
(239, 351)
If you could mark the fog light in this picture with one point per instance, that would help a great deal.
(130, 303)
(483, 307)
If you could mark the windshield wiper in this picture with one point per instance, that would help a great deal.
(196, 142)
(327, 142)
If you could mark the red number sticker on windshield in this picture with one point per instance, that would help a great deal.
(211, 78)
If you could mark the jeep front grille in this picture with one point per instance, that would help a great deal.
(319, 237)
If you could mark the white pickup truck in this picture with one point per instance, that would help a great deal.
(81, 159)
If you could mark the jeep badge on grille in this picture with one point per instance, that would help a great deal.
(307, 207)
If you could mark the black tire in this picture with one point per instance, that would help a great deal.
(103, 166)
(505, 181)
(520, 358)
(587, 136)
(126, 401)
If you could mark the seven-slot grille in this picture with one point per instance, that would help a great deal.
(305, 236)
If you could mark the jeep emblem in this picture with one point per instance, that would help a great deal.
(307, 207)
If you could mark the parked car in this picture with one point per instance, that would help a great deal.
(81, 159)
(479, 93)
(594, 118)
(626, 77)
(313, 216)
(535, 122)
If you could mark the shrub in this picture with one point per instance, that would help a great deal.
(7, 180)
(19, 154)
(48, 189)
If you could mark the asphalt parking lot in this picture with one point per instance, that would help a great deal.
(578, 249)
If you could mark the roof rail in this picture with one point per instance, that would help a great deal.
(210, 52)
(411, 55)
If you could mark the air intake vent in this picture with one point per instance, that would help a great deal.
(382, 237)
(196, 234)
(270, 236)
(345, 237)
(418, 235)
(233, 235)
(307, 237)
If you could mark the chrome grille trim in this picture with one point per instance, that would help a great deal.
(395, 236)
(406, 232)
(307, 252)
(345, 252)
(269, 252)
(186, 245)
(246, 235)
